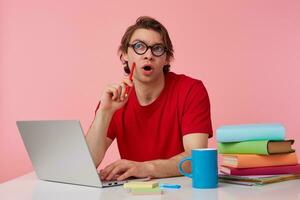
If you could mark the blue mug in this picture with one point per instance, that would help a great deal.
(204, 168)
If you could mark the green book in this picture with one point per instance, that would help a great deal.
(263, 147)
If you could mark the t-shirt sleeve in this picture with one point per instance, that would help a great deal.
(111, 133)
(196, 113)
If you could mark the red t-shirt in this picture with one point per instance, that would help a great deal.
(155, 131)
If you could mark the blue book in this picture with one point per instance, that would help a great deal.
(247, 132)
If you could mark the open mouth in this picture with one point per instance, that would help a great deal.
(147, 68)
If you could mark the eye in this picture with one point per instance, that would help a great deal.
(158, 48)
(139, 46)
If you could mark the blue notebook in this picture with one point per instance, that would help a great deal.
(247, 132)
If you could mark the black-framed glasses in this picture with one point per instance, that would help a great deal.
(141, 48)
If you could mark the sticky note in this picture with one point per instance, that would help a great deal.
(146, 191)
(136, 185)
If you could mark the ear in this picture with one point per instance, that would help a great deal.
(125, 57)
(167, 62)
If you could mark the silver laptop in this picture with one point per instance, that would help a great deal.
(58, 152)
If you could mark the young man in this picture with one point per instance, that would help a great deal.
(163, 117)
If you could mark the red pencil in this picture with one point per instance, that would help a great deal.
(131, 72)
(130, 78)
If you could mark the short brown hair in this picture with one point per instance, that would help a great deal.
(147, 23)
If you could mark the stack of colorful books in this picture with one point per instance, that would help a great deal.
(256, 149)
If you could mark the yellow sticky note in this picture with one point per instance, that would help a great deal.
(146, 191)
(147, 184)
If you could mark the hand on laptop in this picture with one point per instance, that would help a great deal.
(123, 169)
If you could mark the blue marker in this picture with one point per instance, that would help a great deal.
(169, 186)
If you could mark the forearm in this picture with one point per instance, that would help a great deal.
(168, 167)
(96, 136)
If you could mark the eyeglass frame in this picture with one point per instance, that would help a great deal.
(147, 47)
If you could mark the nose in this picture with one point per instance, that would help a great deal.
(148, 54)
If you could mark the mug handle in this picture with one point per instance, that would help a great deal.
(180, 167)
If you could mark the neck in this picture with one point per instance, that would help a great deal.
(149, 92)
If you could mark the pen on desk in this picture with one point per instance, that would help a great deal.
(169, 186)
(130, 78)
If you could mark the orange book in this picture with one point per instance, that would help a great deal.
(255, 160)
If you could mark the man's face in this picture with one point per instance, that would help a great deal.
(149, 64)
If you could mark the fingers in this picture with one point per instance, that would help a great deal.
(114, 90)
(117, 170)
(123, 169)
(123, 91)
(111, 170)
(125, 175)
(128, 82)
(119, 92)
(106, 171)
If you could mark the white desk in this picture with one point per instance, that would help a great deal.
(29, 187)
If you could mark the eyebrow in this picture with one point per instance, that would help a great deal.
(138, 40)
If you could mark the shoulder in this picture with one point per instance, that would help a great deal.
(184, 83)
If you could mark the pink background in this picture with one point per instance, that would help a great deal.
(56, 57)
